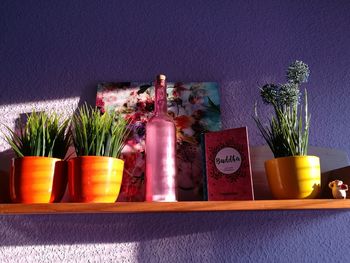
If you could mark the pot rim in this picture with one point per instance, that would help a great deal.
(37, 157)
(293, 157)
(94, 157)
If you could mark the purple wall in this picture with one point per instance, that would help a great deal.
(57, 50)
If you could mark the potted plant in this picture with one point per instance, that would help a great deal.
(95, 175)
(292, 174)
(38, 173)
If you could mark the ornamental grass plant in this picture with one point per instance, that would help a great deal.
(43, 134)
(99, 134)
(287, 132)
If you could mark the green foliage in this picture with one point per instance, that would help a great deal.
(288, 131)
(42, 135)
(213, 107)
(99, 134)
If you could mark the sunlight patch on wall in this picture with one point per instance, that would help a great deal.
(9, 113)
(117, 252)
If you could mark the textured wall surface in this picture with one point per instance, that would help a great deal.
(206, 237)
(52, 54)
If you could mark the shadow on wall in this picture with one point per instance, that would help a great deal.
(269, 236)
(5, 163)
(23, 230)
(97, 228)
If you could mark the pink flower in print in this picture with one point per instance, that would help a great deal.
(99, 102)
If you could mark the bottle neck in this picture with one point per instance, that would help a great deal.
(160, 102)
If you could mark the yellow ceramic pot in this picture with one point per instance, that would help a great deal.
(94, 179)
(294, 177)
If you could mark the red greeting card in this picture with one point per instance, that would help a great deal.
(227, 165)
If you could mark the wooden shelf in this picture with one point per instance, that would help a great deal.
(149, 207)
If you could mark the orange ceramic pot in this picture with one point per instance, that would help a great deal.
(35, 179)
(94, 179)
(294, 177)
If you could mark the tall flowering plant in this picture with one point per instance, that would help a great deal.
(288, 131)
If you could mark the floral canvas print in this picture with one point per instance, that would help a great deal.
(195, 109)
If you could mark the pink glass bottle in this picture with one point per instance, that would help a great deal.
(160, 149)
